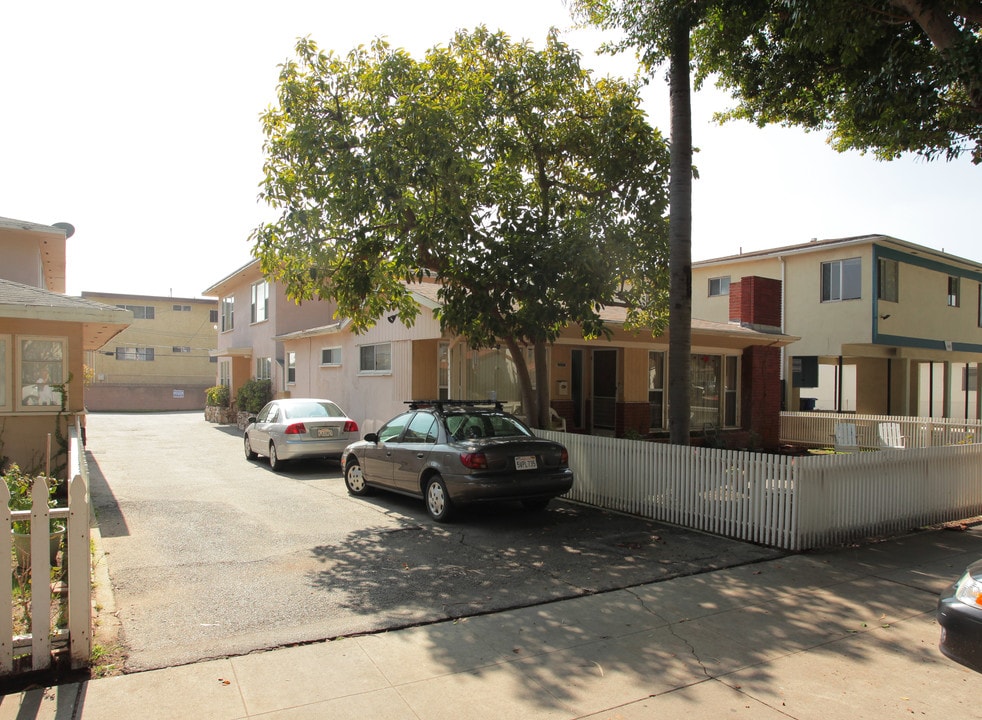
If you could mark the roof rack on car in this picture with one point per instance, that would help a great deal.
(441, 404)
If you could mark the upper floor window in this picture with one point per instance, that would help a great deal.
(719, 286)
(375, 358)
(842, 280)
(888, 280)
(182, 308)
(213, 316)
(140, 312)
(954, 294)
(228, 313)
(141, 354)
(180, 349)
(260, 301)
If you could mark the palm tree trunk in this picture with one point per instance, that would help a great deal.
(680, 235)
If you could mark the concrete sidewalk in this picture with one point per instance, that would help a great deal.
(846, 634)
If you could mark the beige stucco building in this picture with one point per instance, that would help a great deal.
(162, 361)
(885, 326)
(612, 386)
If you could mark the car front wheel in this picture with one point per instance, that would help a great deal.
(438, 503)
(250, 455)
(354, 480)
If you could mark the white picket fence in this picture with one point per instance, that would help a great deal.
(33, 652)
(790, 502)
(817, 429)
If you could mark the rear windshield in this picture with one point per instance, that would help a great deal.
(312, 410)
(465, 425)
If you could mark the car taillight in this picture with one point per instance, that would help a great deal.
(351, 426)
(474, 461)
(296, 429)
(564, 458)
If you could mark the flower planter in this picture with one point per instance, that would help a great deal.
(22, 547)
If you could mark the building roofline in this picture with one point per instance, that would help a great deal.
(818, 245)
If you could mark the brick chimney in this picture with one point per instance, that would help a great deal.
(755, 303)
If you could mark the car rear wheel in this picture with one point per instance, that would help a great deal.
(354, 480)
(438, 503)
(250, 455)
(275, 464)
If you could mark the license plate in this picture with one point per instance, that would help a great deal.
(526, 462)
(325, 432)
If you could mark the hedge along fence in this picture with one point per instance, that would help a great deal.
(71, 630)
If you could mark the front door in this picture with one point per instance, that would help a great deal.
(604, 391)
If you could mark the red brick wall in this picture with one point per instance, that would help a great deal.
(756, 301)
(143, 398)
(761, 400)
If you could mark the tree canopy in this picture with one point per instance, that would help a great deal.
(532, 192)
(880, 76)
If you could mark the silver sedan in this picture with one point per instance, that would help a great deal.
(293, 428)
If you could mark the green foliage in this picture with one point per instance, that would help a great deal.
(20, 485)
(253, 395)
(881, 76)
(534, 193)
(218, 396)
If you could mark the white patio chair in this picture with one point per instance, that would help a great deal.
(889, 435)
(845, 437)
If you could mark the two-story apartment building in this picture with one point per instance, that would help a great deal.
(44, 335)
(885, 326)
(162, 361)
(606, 386)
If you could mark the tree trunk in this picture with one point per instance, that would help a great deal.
(680, 235)
(529, 398)
(541, 385)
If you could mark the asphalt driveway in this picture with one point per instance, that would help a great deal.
(211, 555)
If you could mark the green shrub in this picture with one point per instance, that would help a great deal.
(20, 485)
(218, 396)
(253, 395)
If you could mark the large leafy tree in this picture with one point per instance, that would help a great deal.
(531, 191)
(884, 76)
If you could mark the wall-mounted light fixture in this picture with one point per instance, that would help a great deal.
(392, 318)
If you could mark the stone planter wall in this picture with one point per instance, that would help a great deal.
(220, 415)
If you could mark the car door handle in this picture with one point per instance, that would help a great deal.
(421, 455)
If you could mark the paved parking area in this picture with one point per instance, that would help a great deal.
(211, 555)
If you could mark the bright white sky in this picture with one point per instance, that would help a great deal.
(139, 124)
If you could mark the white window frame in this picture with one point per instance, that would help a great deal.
(228, 313)
(721, 285)
(181, 349)
(335, 356)
(259, 308)
(225, 373)
(264, 368)
(376, 356)
(25, 397)
(291, 369)
(840, 274)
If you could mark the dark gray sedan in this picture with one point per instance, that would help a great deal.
(293, 428)
(451, 453)
(960, 618)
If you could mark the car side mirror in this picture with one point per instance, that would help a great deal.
(252, 420)
(371, 437)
